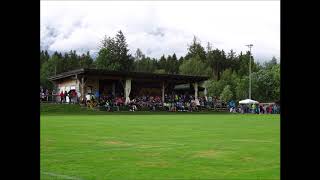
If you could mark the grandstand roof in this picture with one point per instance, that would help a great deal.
(133, 75)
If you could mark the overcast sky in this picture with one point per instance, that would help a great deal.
(163, 27)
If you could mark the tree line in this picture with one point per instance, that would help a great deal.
(228, 72)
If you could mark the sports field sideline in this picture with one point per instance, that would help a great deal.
(135, 145)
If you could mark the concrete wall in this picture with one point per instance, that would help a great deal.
(94, 83)
(68, 84)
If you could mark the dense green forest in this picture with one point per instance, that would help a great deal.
(228, 71)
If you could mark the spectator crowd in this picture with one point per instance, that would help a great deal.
(172, 102)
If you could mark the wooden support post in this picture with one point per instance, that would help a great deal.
(196, 94)
(127, 90)
(82, 84)
(196, 90)
(205, 93)
(162, 90)
(113, 89)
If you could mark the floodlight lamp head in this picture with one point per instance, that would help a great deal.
(249, 45)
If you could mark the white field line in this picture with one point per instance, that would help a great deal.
(63, 176)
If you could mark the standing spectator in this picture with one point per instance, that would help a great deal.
(75, 96)
(269, 109)
(61, 97)
(65, 94)
(257, 109)
(210, 101)
(53, 94)
(47, 94)
(97, 94)
(261, 110)
(70, 96)
(230, 106)
(40, 95)
(273, 109)
(43, 96)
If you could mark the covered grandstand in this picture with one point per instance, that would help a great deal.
(128, 85)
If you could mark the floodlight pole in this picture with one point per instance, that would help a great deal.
(250, 46)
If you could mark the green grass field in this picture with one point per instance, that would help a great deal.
(132, 145)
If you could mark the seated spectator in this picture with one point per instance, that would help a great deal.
(107, 106)
(133, 107)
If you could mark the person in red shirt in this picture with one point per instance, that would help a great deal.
(61, 96)
(270, 109)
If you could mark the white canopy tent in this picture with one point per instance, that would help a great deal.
(248, 101)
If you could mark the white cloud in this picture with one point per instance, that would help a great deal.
(163, 27)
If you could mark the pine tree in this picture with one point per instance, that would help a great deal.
(139, 55)
(162, 63)
(195, 49)
(86, 61)
(180, 61)
(175, 64)
(210, 59)
(194, 66)
(44, 57)
(104, 61)
(124, 59)
(168, 64)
